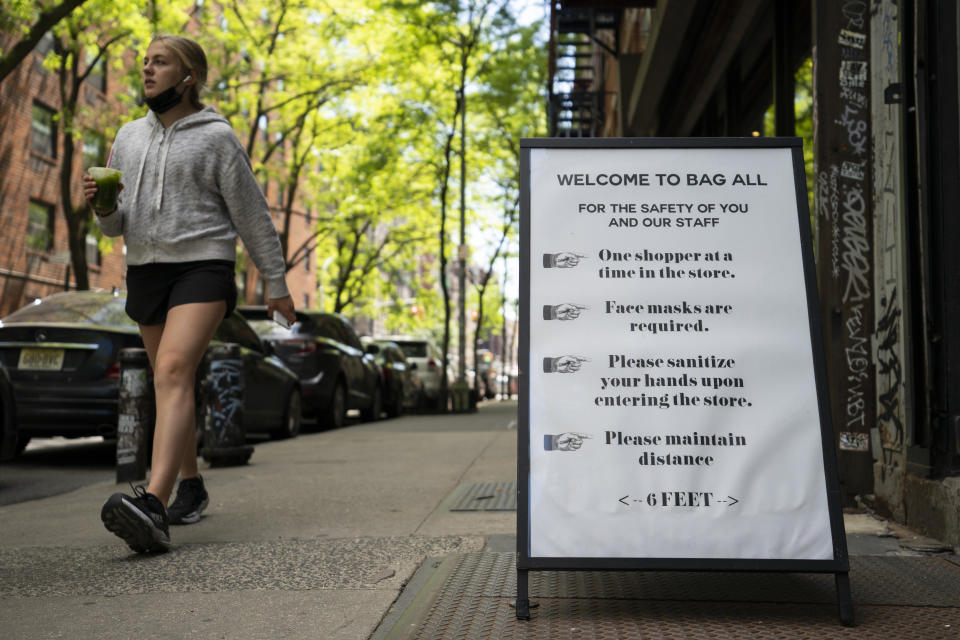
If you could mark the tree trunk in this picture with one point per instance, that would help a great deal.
(444, 187)
(76, 217)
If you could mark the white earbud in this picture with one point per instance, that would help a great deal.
(187, 79)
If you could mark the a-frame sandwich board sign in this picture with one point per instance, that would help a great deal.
(673, 397)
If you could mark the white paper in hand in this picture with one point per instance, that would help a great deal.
(281, 320)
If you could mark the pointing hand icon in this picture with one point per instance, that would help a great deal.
(566, 259)
(571, 441)
(569, 364)
(568, 311)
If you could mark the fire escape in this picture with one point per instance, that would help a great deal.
(577, 53)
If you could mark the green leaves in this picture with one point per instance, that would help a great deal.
(349, 109)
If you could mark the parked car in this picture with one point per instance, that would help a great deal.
(62, 352)
(8, 427)
(426, 360)
(335, 372)
(401, 385)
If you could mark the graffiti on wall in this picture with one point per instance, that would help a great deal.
(845, 227)
(889, 379)
(845, 179)
(890, 350)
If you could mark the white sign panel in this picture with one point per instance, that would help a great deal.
(673, 409)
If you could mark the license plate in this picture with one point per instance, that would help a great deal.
(41, 359)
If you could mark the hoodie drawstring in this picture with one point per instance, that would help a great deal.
(164, 146)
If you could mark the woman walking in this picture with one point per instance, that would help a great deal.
(188, 192)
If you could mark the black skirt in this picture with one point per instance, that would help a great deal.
(153, 289)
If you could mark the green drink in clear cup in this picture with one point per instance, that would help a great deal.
(108, 186)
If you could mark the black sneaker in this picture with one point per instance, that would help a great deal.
(190, 502)
(140, 520)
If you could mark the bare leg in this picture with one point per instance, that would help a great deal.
(183, 339)
(151, 339)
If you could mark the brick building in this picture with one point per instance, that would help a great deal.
(34, 253)
(34, 258)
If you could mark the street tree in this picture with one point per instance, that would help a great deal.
(453, 36)
(374, 195)
(84, 42)
(509, 82)
(279, 64)
(427, 90)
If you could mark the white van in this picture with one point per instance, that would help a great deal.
(427, 361)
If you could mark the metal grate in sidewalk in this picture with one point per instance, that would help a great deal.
(567, 619)
(485, 496)
(470, 594)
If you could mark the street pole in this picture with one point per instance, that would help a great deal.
(462, 275)
(503, 336)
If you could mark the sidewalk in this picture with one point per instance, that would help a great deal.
(349, 534)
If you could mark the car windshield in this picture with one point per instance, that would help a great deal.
(92, 308)
(414, 349)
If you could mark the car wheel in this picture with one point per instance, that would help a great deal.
(396, 407)
(376, 406)
(422, 402)
(22, 442)
(335, 413)
(291, 418)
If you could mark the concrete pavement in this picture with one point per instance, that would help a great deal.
(342, 534)
(314, 538)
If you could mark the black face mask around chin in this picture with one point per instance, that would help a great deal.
(165, 100)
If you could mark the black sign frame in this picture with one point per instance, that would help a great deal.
(839, 565)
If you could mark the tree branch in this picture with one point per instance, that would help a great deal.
(45, 21)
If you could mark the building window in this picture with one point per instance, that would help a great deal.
(306, 262)
(45, 45)
(306, 301)
(94, 150)
(98, 76)
(93, 250)
(42, 138)
(40, 226)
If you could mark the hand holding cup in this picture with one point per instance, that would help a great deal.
(101, 186)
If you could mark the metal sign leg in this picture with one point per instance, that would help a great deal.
(844, 598)
(523, 597)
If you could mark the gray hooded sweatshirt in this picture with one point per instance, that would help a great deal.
(188, 193)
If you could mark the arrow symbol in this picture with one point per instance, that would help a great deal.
(731, 500)
(624, 500)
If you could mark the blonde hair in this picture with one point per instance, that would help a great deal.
(192, 58)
